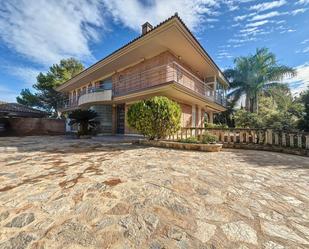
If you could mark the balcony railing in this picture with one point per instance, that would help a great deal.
(168, 73)
(91, 94)
(172, 72)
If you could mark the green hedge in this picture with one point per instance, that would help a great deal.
(155, 118)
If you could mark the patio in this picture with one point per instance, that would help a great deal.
(57, 192)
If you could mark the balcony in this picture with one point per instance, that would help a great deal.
(169, 73)
(93, 95)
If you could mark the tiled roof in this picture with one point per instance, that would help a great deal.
(142, 35)
(19, 108)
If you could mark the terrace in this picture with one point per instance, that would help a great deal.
(58, 192)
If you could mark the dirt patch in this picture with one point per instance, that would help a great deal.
(112, 182)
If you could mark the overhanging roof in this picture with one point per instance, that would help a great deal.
(172, 35)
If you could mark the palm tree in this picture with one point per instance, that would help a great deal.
(256, 74)
(85, 119)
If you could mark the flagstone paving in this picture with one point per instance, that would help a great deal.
(57, 192)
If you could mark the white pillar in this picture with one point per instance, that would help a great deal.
(193, 124)
(211, 117)
(199, 115)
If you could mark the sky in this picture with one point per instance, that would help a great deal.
(34, 34)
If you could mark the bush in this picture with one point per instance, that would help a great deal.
(189, 140)
(218, 126)
(208, 138)
(245, 119)
(155, 118)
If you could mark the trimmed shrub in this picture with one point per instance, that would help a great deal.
(155, 118)
(208, 138)
(217, 126)
(189, 140)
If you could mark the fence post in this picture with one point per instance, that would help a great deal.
(307, 142)
(265, 136)
(276, 138)
(245, 137)
(260, 136)
(241, 139)
(228, 137)
(283, 139)
(291, 140)
(299, 141)
(270, 136)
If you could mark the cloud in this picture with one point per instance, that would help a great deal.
(301, 81)
(46, 31)
(7, 95)
(26, 74)
(302, 2)
(298, 11)
(268, 5)
(243, 17)
(305, 41)
(257, 24)
(266, 16)
(134, 13)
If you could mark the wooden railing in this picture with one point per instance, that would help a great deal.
(280, 138)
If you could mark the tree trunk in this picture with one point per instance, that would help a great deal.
(247, 104)
(255, 104)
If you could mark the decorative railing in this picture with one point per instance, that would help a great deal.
(172, 72)
(280, 138)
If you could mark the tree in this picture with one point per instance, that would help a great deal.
(156, 117)
(85, 119)
(277, 111)
(256, 74)
(45, 97)
(245, 119)
(304, 122)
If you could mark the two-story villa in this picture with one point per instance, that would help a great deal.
(166, 60)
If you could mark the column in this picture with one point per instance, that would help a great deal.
(199, 117)
(193, 116)
(211, 117)
(114, 119)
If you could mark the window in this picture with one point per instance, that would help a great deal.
(106, 84)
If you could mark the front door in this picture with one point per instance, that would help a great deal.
(120, 118)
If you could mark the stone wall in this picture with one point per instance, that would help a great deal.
(35, 126)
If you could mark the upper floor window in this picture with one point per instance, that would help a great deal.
(106, 84)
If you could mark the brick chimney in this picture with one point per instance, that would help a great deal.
(146, 27)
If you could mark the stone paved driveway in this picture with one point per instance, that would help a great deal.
(61, 193)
